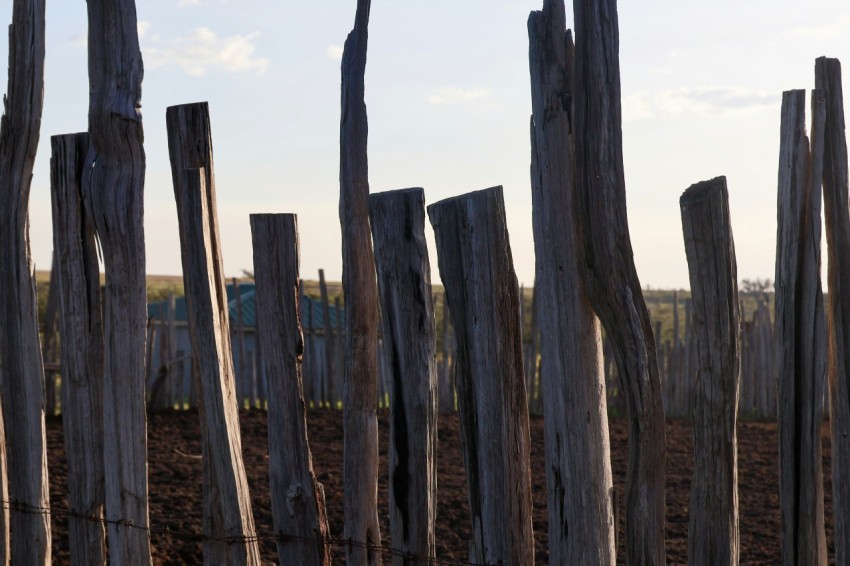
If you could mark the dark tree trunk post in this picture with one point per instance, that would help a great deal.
(409, 331)
(715, 332)
(611, 278)
(298, 499)
(227, 503)
(837, 213)
(113, 185)
(476, 268)
(578, 460)
(360, 451)
(78, 290)
(22, 369)
(800, 331)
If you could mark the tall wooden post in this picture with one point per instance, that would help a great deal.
(360, 451)
(81, 320)
(713, 525)
(476, 268)
(611, 278)
(837, 213)
(409, 331)
(113, 184)
(800, 331)
(578, 460)
(227, 503)
(22, 369)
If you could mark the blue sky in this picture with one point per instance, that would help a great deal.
(448, 96)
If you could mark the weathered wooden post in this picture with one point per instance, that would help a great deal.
(113, 184)
(476, 268)
(409, 332)
(360, 451)
(578, 460)
(837, 213)
(78, 289)
(22, 369)
(298, 499)
(715, 327)
(800, 331)
(611, 278)
(227, 503)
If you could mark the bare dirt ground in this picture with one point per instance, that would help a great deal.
(175, 486)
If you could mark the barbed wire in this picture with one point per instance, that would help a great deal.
(163, 530)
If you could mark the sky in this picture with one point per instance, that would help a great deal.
(448, 97)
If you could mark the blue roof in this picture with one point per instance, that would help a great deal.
(312, 313)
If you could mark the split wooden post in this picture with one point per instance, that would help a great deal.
(800, 331)
(113, 186)
(713, 536)
(78, 290)
(360, 422)
(837, 213)
(476, 268)
(611, 278)
(297, 498)
(227, 503)
(409, 332)
(22, 367)
(578, 461)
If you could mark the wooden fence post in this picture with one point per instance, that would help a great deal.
(611, 278)
(360, 450)
(227, 503)
(298, 499)
(800, 331)
(78, 290)
(578, 461)
(835, 199)
(477, 271)
(715, 331)
(409, 332)
(22, 368)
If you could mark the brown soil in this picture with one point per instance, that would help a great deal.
(175, 485)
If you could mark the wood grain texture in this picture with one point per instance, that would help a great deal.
(22, 372)
(81, 318)
(360, 453)
(610, 274)
(713, 533)
(297, 498)
(800, 331)
(476, 268)
(409, 336)
(837, 214)
(113, 186)
(578, 462)
(227, 503)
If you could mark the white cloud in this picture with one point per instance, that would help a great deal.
(700, 101)
(143, 26)
(334, 52)
(456, 95)
(202, 50)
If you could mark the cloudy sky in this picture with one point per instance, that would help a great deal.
(447, 90)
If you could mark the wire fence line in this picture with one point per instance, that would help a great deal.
(163, 530)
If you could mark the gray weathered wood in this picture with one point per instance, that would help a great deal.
(477, 271)
(611, 278)
(360, 451)
(578, 461)
(800, 331)
(227, 503)
(713, 525)
(21, 370)
(113, 186)
(297, 498)
(409, 332)
(78, 288)
(837, 214)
